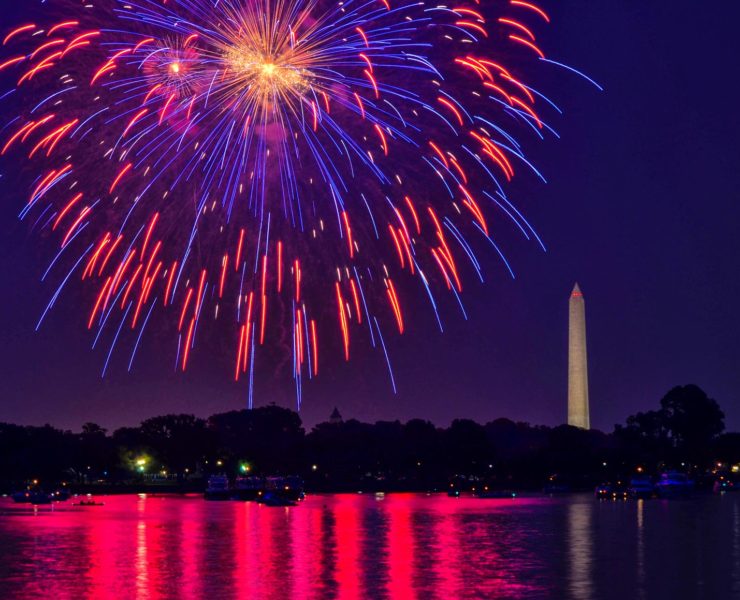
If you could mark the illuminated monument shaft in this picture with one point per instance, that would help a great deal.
(577, 362)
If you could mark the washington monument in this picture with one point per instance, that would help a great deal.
(577, 362)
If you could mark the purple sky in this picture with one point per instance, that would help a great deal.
(641, 208)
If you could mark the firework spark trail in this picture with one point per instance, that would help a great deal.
(276, 157)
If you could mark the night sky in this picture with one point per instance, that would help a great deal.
(642, 209)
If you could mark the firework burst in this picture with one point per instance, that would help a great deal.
(258, 162)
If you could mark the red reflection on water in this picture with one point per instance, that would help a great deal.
(149, 559)
(400, 547)
(102, 542)
(304, 539)
(348, 537)
(189, 548)
(447, 559)
(346, 546)
(141, 561)
(275, 549)
(245, 551)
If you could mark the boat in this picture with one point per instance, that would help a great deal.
(293, 488)
(673, 484)
(288, 487)
(21, 497)
(88, 502)
(218, 488)
(40, 497)
(31, 495)
(611, 491)
(603, 491)
(724, 484)
(641, 486)
(247, 488)
(275, 499)
(60, 495)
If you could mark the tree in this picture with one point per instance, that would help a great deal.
(95, 451)
(692, 418)
(269, 437)
(727, 448)
(178, 441)
(684, 428)
(645, 440)
(649, 426)
(467, 448)
(93, 429)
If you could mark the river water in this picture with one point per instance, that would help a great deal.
(361, 546)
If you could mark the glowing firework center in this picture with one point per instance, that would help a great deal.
(265, 77)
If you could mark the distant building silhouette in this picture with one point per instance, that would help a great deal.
(578, 404)
(336, 416)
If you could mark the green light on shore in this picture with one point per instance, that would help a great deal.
(245, 467)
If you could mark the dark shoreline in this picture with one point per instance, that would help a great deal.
(178, 453)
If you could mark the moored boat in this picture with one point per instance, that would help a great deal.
(611, 491)
(603, 491)
(641, 487)
(60, 495)
(88, 501)
(247, 488)
(724, 484)
(275, 499)
(218, 488)
(31, 495)
(673, 484)
(21, 497)
(290, 488)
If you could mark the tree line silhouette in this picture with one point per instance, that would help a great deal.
(686, 432)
